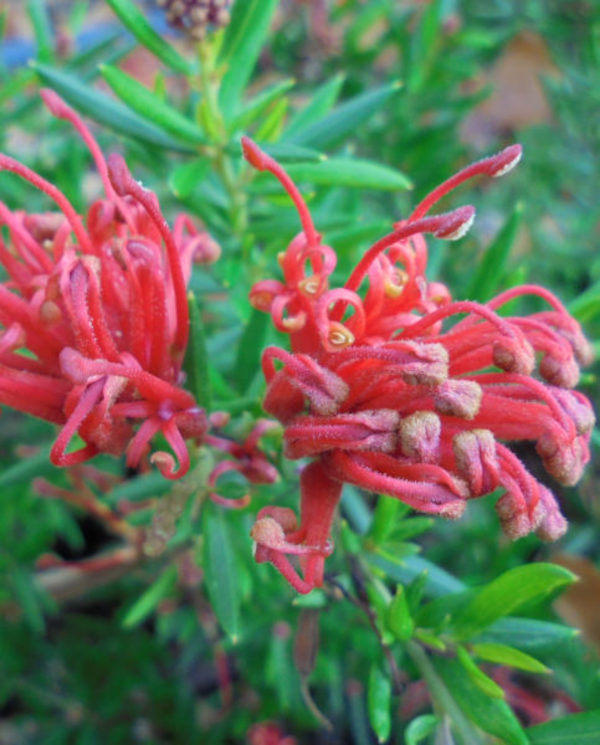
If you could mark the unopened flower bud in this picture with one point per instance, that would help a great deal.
(515, 356)
(460, 398)
(505, 160)
(475, 453)
(553, 524)
(561, 372)
(420, 436)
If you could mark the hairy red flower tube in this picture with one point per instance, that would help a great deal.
(94, 316)
(380, 391)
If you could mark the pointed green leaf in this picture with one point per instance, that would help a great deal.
(344, 119)
(285, 152)
(354, 172)
(586, 305)
(508, 592)
(387, 512)
(492, 715)
(430, 640)
(489, 273)
(439, 582)
(510, 656)
(218, 562)
(26, 469)
(145, 486)
(399, 618)
(271, 125)
(320, 104)
(187, 176)
(42, 29)
(195, 363)
(257, 106)
(134, 19)
(481, 680)
(528, 633)
(28, 599)
(241, 48)
(103, 109)
(145, 103)
(379, 702)
(575, 729)
(250, 349)
(420, 728)
(157, 592)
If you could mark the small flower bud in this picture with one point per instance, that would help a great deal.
(420, 436)
(561, 372)
(515, 356)
(505, 160)
(268, 532)
(456, 224)
(460, 398)
(475, 453)
(553, 524)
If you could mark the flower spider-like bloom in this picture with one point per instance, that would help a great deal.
(95, 316)
(380, 395)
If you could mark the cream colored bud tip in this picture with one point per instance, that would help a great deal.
(457, 225)
(506, 160)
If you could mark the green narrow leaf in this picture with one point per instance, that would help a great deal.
(257, 106)
(489, 273)
(344, 118)
(42, 29)
(149, 106)
(105, 110)
(439, 582)
(379, 702)
(133, 19)
(285, 152)
(350, 172)
(387, 512)
(281, 673)
(510, 656)
(528, 633)
(508, 592)
(272, 124)
(28, 599)
(399, 618)
(242, 45)
(144, 486)
(320, 104)
(481, 680)
(195, 363)
(492, 715)
(420, 728)
(218, 562)
(158, 591)
(187, 176)
(575, 729)
(250, 349)
(586, 305)
(26, 469)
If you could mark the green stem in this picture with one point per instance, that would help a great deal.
(209, 83)
(443, 703)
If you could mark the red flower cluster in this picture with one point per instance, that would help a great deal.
(95, 317)
(380, 395)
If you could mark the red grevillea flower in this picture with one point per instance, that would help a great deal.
(380, 395)
(95, 316)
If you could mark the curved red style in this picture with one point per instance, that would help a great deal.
(95, 316)
(382, 394)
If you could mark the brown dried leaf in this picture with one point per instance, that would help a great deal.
(518, 98)
(579, 605)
